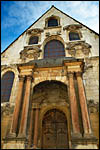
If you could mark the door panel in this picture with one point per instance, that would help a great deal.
(55, 130)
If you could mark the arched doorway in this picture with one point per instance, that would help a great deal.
(54, 130)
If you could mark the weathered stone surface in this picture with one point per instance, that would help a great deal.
(54, 95)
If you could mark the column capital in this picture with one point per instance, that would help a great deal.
(29, 77)
(79, 74)
(70, 74)
(21, 77)
(35, 106)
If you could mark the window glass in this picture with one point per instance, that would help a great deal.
(33, 40)
(54, 48)
(52, 22)
(6, 86)
(73, 36)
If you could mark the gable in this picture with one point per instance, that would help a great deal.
(51, 10)
(14, 49)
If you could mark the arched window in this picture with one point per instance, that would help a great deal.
(52, 22)
(54, 48)
(33, 40)
(6, 86)
(73, 36)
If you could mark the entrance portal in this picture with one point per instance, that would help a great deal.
(54, 130)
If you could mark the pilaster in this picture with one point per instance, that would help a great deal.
(73, 105)
(23, 124)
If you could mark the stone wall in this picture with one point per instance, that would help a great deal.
(91, 79)
(6, 119)
(11, 57)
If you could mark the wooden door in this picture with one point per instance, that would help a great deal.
(54, 130)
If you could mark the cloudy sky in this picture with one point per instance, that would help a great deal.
(17, 16)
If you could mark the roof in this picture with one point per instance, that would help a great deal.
(42, 16)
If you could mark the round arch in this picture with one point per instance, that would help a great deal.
(53, 37)
(44, 108)
(60, 79)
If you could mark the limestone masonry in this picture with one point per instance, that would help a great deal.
(50, 86)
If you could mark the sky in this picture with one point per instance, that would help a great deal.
(17, 16)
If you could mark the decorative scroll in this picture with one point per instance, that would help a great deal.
(72, 27)
(72, 47)
(93, 107)
(36, 31)
(30, 52)
(7, 109)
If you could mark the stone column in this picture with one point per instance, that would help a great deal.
(17, 107)
(36, 128)
(73, 105)
(83, 105)
(30, 128)
(23, 124)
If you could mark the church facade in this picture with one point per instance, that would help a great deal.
(50, 86)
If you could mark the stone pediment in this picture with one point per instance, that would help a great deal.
(72, 27)
(30, 52)
(73, 46)
(35, 30)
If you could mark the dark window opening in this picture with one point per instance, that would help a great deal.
(52, 22)
(33, 40)
(73, 36)
(54, 48)
(6, 86)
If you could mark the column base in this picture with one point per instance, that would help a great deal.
(14, 143)
(11, 135)
(88, 135)
(88, 146)
(76, 135)
(34, 147)
(89, 142)
(21, 135)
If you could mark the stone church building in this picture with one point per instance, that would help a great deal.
(50, 86)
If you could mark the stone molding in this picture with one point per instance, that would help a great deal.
(21, 77)
(29, 77)
(79, 74)
(72, 27)
(74, 67)
(35, 30)
(9, 67)
(73, 46)
(30, 52)
(70, 74)
(54, 33)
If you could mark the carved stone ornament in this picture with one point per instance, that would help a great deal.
(93, 107)
(7, 109)
(73, 46)
(36, 31)
(72, 27)
(54, 33)
(30, 52)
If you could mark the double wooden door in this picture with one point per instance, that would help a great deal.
(54, 130)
